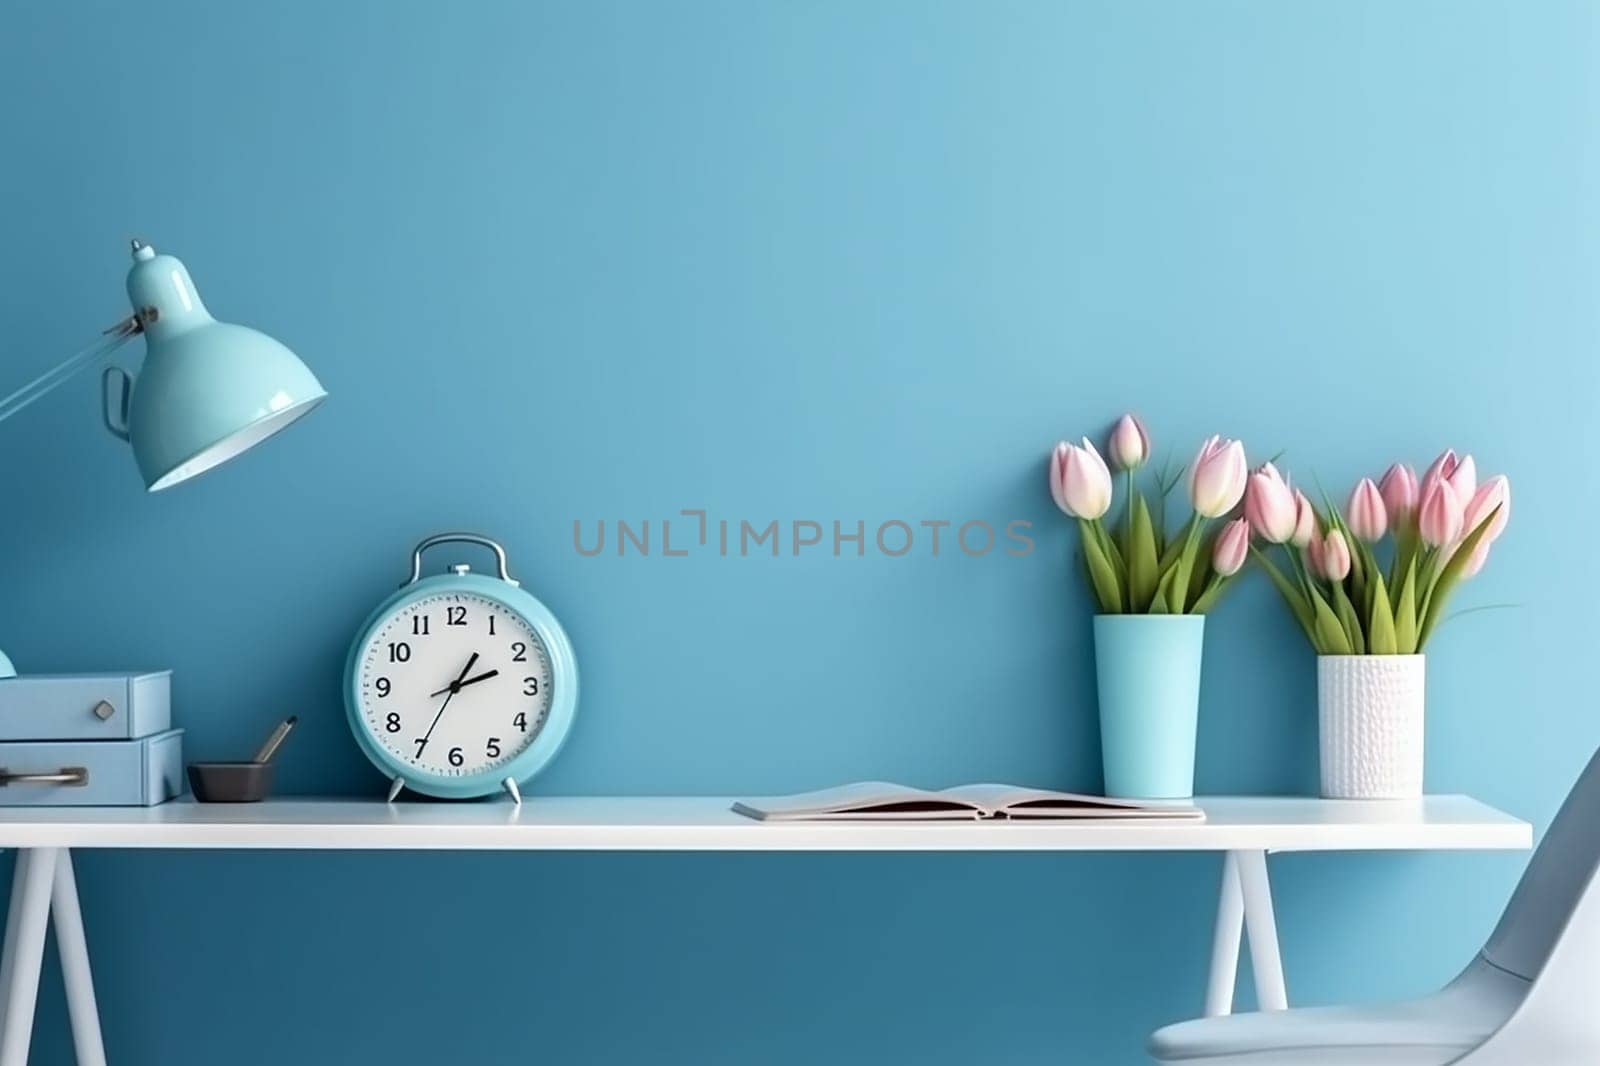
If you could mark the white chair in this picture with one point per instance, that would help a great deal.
(1530, 998)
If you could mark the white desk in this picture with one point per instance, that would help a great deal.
(1243, 829)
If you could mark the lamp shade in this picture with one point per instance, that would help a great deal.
(209, 390)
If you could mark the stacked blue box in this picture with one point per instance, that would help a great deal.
(89, 740)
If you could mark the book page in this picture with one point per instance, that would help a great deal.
(1014, 802)
(886, 801)
(865, 798)
(995, 798)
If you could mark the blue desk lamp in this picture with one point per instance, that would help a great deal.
(209, 390)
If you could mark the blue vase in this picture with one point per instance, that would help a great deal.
(1149, 674)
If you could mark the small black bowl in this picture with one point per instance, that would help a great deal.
(230, 782)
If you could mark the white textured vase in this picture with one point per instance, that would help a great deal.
(1369, 725)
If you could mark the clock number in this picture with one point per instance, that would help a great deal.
(520, 721)
(493, 749)
(491, 625)
(455, 616)
(383, 686)
(419, 625)
(456, 758)
(420, 742)
(399, 651)
(519, 652)
(392, 723)
(530, 686)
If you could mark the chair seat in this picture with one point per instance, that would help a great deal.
(1431, 1031)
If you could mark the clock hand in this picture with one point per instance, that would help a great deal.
(449, 690)
(457, 686)
(464, 671)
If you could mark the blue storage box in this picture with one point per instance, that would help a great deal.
(92, 773)
(85, 706)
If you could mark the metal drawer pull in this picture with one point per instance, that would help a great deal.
(76, 776)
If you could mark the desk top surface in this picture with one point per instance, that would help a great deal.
(683, 823)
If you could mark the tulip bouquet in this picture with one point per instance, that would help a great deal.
(1442, 527)
(1137, 568)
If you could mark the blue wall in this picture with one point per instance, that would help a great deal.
(833, 260)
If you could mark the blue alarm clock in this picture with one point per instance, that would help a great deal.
(460, 684)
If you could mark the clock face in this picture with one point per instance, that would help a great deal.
(453, 684)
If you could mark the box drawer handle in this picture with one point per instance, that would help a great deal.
(75, 776)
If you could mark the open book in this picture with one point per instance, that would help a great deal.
(882, 801)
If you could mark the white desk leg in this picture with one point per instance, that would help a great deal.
(26, 924)
(8, 947)
(1265, 961)
(74, 947)
(1225, 942)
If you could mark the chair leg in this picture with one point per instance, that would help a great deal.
(74, 948)
(1225, 941)
(27, 922)
(1265, 961)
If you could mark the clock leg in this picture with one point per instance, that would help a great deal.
(516, 793)
(395, 788)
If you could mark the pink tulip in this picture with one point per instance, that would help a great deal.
(1369, 519)
(1464, 478)
(1269, 505)
(1217, 477)
(1058, 464)
(1399, 491)
(1438, 470)
(1440, 514)
(1335, 556)
(1232, 547)
(1305, 521)
(1079, 480)
(1312, 556)
(1494, 493)
(1129, 446)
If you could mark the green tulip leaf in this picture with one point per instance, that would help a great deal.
(1143, 566)
(1349, 619)
(1213, 592)
(1381, 637)
(1204, 564)
(1427, 578)
(1405, 611)
(1449, 577)
(1329, 632)
(1109, 547)
(1178, 590)
(1164, 603)
(1405, 555)
(1101, 574)
(1169, 554)
(1299, 606)
(1125, 528)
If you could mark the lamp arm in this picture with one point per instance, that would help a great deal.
(109, 341)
